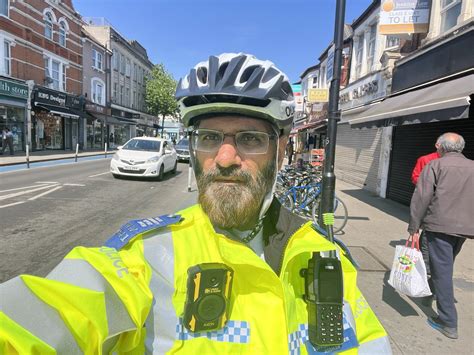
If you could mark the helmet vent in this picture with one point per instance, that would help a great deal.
(222, 70)
(248, 73)
(202, 74)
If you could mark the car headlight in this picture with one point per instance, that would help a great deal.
(115, 157)
(153, 160)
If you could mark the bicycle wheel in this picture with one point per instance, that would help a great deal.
(286, 199)
(340, 213)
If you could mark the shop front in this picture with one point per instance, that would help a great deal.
(13, 98)
(55, 120)
(96, 128)
(121, 127)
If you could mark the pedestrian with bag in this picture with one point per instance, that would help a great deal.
(220, 277)
(443, 205)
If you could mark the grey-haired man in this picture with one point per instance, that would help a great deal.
(443, 204)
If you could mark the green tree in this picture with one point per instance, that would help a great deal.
(160, 89)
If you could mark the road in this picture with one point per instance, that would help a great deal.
(45, 212)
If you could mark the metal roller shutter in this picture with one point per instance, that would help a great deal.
(357, 156)
(412, 141)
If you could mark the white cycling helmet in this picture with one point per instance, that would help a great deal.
(237, 84)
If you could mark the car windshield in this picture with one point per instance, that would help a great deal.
(183, 143)
(143, 144)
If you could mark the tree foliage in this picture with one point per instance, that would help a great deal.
(160, 90)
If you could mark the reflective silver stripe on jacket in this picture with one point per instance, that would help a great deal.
(161, 323)
(80, 273)
(22, 306)
(378, 346)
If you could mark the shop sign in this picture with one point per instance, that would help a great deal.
(9, 88)
(361, 92)
(318, 95)
(74, 102)
(124, 114)
(92, 107)
(50, 97)
(330, 64)
(404, 16)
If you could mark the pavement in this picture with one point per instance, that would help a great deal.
(46, 155)
(375, 227)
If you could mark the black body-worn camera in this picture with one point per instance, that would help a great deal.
(324, 298)
(208, 297)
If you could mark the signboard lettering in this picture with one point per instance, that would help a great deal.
(9, 88)
(318, 95)
(404, 16)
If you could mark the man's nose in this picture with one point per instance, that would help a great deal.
(227, 155)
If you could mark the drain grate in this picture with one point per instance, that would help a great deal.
(367, 260)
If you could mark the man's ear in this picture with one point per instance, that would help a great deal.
(282, 142)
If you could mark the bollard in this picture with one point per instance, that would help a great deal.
(106, 150)
(190, 175)
(27, 156)
(77, 150)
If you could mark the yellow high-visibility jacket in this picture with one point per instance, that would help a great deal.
(131, 301)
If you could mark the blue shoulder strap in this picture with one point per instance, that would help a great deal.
(137, 226)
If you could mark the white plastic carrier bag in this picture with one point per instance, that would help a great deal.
(408, 274)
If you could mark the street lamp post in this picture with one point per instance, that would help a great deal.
(329, 178)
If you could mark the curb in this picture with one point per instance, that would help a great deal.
(54, 159)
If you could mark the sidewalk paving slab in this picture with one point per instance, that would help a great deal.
(378, 225)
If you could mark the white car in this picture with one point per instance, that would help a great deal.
(144, 156)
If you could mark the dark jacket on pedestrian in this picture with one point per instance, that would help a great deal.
(443, 200)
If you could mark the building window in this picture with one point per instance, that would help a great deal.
(4, 7)
(62, 33)
(134, 102)
(55, 73)
(97, 59)
(392, 42)
(6, 58)
(48, 25)
(127, 97)
(359, 55)
(371, 47)
(116, 59)
(121, 95)
(314, 84)
(98, 89)
(115, 93)
(135, 71)
(450, 11)
(128, 68)
(122, 64)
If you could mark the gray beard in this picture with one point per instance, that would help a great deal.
(234, 206)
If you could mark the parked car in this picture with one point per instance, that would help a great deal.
(144, 156)
(182, 150)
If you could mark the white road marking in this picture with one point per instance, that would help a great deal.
(107, 172)
(46, 182)
(21, 188)
(13, 204)
(44, 193)
(82, 185)
(25, 192)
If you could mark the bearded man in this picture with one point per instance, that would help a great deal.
(141, 293)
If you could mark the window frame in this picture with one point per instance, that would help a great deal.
(62, 32)
(7, 8)
(97, 59)
(371, 41)
(61, 73)
(116, 59)
(7, 60)
(48, 24)
(443, 12)
(359, 59)
(128, 67)
(98, 99)
(122, 64)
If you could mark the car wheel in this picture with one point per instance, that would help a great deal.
(175, 167)
(161, 174)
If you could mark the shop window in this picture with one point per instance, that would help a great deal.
(6, 58)
(62, 33)
(97, 59)
(371, 47)
(48, 25)
(450, 11)
(4, 5)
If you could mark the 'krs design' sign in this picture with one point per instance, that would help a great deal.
(404, 16)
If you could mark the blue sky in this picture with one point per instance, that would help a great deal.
(181, 33)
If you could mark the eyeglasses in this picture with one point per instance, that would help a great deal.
(247, 142)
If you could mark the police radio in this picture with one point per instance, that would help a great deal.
(324, 298)
(207, 305)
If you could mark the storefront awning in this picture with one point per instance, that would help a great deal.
(120, 120)
(61, 111)
(441, 102)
